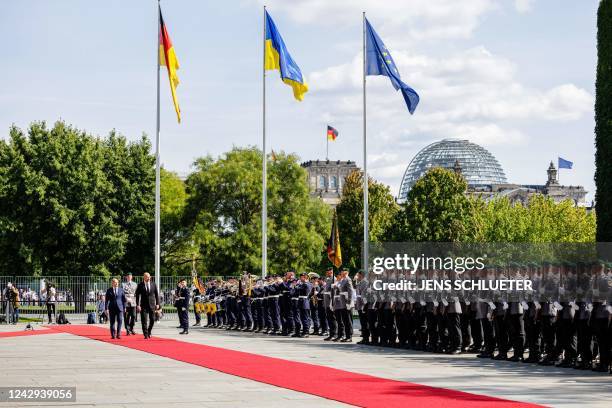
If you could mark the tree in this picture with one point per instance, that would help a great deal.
(436, 210)
(56, 204)
(176, 240)
(603, 122)
(224, 211)
(74, 204)
(382, 212)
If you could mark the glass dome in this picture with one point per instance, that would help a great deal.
(478, 166)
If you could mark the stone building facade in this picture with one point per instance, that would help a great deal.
(520, 193)
(326, 178)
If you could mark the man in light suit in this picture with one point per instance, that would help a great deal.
(147, 303)
(115, 307)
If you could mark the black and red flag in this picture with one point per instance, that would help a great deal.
(334, 253)
(332, 133)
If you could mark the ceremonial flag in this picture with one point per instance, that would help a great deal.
(380, 62)
(334, 253)
(565, 164)
(332, 133)
(277, 57)
(167, 58)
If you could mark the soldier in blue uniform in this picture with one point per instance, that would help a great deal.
(285, 303)
(182, 306)
(302, 291)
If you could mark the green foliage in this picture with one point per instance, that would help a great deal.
(177, 243)
(603, 122)
(73, 204)
(224, 212)
(436, 210)
(382, 212)
(540, 221)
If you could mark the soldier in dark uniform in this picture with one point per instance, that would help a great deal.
(549, 292)
(361, 304)
(514, 316)
(584, 333)
(303, 290)
(566, 330)
(321, 311)
(314, 301)
(533, 327)
(453, 320)
(273, 296)
(257, 307)
(485, 313)
(182, 306)
(600, 316)
(499, 318)
(285, 304)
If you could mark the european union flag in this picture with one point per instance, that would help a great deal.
(380, 62)
(565, 164)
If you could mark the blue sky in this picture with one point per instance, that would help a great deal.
(516, 76)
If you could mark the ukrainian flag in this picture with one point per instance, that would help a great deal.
(277, 57)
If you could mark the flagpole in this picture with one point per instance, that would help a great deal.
(365, 159)
(327, 147)
(157, 161)
(264, 191)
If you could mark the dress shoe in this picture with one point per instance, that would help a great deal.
(127, 333)
(118, 337)
(324, 334)
(184, 332)
(113, 336)
(305, 335)
(328, 338)
(337, 339)
(196, 325)
(454, 352)
(501, 357)
(346, 340)
(296, 335)
(485, 354)
(363, 341)
(516, 359)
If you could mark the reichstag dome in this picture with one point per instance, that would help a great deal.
(477, 165)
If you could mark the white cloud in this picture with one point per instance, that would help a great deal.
(419, 19)
(472, 94)
(523, 6)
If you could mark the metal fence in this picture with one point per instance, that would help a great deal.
(76, 296)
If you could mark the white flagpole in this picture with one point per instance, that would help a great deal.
(366, 239)
(264, 187)
(157, 162)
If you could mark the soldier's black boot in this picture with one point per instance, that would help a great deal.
(347, 340)
(328, 338)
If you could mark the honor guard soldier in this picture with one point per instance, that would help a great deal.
(361, 304)
(303, 291)
(328, 301)
(182, 306)
(343, 297)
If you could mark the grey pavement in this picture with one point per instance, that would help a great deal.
(107, 375)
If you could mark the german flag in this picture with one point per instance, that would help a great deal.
(167, 58)
(334, 253)
(332, 133)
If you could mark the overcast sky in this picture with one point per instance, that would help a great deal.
(516, 76)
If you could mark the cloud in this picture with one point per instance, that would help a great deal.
(417, 19)
(472, 94)
(523, 6)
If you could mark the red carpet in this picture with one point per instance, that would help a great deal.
(26, 333)
(343, 386)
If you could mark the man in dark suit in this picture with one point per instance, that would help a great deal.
(114, 305)
(147, 303)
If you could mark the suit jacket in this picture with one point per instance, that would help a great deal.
(184, 302)
(147, 300)
(115, 303)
